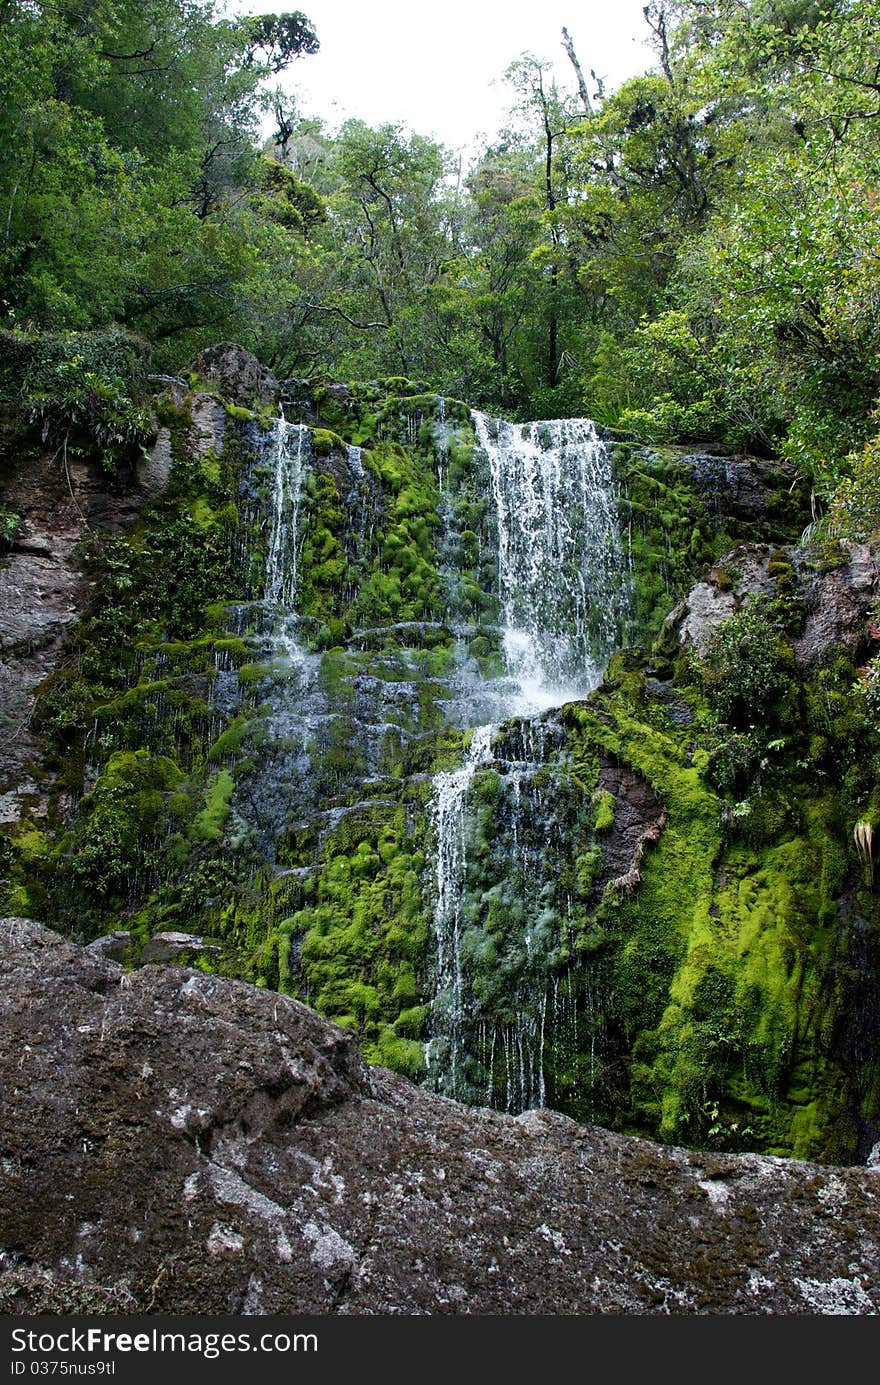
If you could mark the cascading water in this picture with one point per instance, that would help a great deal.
(263, 799)
(282, 556)
(560, 555)
(291, 454)
(562, 587)
(448, 820)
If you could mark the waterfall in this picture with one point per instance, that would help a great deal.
(560, 555)
(563, 585)
(282, 558)
(355, 461)
(441, 447)
(449, 821)
(286, 688)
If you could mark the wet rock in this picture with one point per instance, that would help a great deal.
(704, 609)
(43, 589)
(113, 947)
(678, 711)
(236, 374)
(338, 465)
(298, 401)
(177, 1142)
(154, 470)
(41, 593)
(208, 425)
(743, 488)
(638, 821)
(166, 947)
(839, 602)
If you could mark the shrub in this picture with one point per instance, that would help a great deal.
(854, 512)
(748, 666)
(81, 387)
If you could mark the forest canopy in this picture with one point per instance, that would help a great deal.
(692, 256)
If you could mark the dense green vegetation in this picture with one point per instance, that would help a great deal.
(690, 256)
(718, 991)
(131, 188)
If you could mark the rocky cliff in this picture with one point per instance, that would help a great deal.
(175, 1142)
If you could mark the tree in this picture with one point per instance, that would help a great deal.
(539, 99)
(128, 161)
(274, 40)
(389, 240)
(785, 270)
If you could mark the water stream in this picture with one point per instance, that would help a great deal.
(449, 823)
(291, 453)
(563, 585)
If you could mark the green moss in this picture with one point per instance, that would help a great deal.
(32, 845)
(724, 965)
(588, 868)
(603, 810)
(230, 742)
(402, 1055)
(361, 931)
(669, 532)
(253, 673)
(123, 821)
(208, 826)
(324, 441)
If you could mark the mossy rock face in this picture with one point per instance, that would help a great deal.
(726, 960)
(682, 510)
(664, 923)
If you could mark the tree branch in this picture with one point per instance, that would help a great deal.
(323, 308)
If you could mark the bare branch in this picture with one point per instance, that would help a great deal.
(655, 18)
(331, 308)
(568, 45)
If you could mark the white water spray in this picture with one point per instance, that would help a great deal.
(560, 555)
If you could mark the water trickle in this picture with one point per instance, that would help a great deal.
(282, 556)
(360, 499)
(441, 446)
(265, 798)
(449, 822)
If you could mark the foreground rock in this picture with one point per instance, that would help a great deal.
(174, 1142)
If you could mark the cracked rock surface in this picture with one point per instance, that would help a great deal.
(837, 602)
(174, 1142)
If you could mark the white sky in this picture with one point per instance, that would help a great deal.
(436, 65)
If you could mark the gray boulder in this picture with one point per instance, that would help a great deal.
(236, 374)
(175, 1142)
